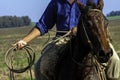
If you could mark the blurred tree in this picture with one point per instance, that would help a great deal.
(114, 13)
(14, 21)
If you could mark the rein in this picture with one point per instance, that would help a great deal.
(86, 35)
(85, 32)
(91, 46)
(93, 59)
(30, 54)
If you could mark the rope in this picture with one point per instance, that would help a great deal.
(9, 59)
(67, 33)
(58, 31)
(101, 68)
(10, 53)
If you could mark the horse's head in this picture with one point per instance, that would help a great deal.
(94, 26)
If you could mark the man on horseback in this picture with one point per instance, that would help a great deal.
(65, 14)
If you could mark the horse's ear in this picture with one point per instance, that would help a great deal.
(80, 5)
(100, 5)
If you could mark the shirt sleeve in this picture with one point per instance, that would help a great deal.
(48, 18)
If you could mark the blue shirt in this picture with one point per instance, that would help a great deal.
(61, 13)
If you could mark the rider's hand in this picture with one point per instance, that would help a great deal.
(20, 44)
(74, 31)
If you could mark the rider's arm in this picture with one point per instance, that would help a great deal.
(31, 35)
(46, 22)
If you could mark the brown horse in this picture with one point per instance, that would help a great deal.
(92, 28)
(89, 48)
(83, 54)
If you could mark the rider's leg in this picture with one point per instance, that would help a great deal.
(38, 75)
(46, 63)
(45, 66)
(113, 69)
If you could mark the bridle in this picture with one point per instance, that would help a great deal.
(83, 28)
(93, 58)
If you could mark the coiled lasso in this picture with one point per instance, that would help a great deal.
(10, 59)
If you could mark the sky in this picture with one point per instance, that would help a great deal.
(35, 8)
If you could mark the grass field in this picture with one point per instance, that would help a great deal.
(9, 36)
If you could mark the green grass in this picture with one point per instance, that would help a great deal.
(113, 17)
(114, 28)
(9, 36)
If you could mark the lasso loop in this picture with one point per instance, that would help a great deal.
(9, 59)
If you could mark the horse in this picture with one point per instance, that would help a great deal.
(89, 48)
(84, 53)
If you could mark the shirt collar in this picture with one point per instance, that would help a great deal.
(68, 1)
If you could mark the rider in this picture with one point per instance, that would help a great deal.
(65, 14)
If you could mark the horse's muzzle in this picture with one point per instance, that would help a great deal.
(104, 57)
